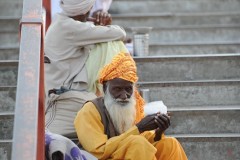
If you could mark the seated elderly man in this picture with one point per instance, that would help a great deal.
(113, 126)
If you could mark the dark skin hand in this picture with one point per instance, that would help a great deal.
(147, 123)
(163, 122)
(81, 18)
(158, 122)
(101, 18)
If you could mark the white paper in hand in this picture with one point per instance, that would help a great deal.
(154, 107)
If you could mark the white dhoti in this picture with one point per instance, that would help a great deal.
(62, 109)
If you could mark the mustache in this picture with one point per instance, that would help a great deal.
(121, 100)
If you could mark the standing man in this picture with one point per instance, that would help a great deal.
(113, 126)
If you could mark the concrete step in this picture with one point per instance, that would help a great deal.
(194, 93)
(175, 19)
(8, 39)
(211, 146)
(9, 53)
(12, 7)
(183, 68)
(193, 34)
(6, 133)
(8, 72)
(167, 68)
(7, 98)
(190, 48)
(186, 6)
(178, 118)
(5, 149)
(205, 120)
(165, 35)
(6, 125)
(9, 23)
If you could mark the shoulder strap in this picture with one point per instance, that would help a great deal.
(106, 120)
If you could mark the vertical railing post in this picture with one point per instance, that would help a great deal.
(28, 134)
(47, 6)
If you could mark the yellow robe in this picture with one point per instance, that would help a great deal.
(130, 145)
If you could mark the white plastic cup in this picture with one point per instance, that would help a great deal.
(141, 41)
(140, 44)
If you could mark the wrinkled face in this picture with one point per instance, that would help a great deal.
(120, 103)
(121, 90)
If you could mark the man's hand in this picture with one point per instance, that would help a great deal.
(163, 122)
(102, 18)
(147, 123)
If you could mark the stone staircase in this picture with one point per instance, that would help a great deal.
(10, 13)
(195, 56)
(193, 67)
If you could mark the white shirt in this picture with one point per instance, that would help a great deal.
(67, 45)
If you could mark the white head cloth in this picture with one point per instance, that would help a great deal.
(76, 7)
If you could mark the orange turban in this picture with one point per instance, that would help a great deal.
(123, 66)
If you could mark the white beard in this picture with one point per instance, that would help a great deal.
(122, 115)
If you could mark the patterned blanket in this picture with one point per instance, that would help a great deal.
(58, 147)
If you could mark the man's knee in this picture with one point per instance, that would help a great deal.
(140, 145)
(170, 148)
(167, 143)
(140, 142)
(171, 140)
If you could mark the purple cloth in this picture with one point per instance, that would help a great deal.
(57, 143)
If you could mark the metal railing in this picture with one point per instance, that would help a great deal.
(28, 133)
(47, 6)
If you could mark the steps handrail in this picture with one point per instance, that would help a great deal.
(47, 6)
(28, 132)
